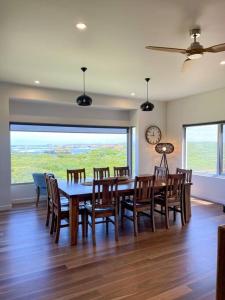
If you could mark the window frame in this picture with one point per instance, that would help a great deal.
(128, 139)
(219, 158)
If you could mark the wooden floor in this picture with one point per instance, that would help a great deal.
(179, 263)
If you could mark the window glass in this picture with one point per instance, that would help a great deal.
(201, 148)
(133, 151)
(55, 152)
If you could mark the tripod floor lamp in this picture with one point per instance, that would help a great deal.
(164, 148)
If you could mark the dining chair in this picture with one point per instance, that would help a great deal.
(60, 212)
(63, 200)
(76, 175)
(40, 185)
(141, 203)
(172, 199)
(121, 171)
(103, 206)
(160, 173)
(188, 174)
(101, 173)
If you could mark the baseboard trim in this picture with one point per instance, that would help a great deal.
(27, 200)
(5, 207)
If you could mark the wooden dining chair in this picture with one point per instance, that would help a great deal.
(160, 173)
(76, 175)
(142, 201)
(121, 171)
(103, 206)
(60, 212)
(101, 173)
(63, 200)
(172, 199)
(187, 173)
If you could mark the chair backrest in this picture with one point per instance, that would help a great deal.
(101, 173)
(39, 180)
(160, 173)
(76, 175)
(54, 193)
(144, 188)
(105, 193)
(121, 171)
(188, 174)
(175, 186)
(47, 180)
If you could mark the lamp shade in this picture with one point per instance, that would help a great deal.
(84, 100)
(166, 148)
(147, 106)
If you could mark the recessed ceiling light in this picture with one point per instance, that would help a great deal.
(222, 62)
(132, 94)
(37, 82)
(81, 26)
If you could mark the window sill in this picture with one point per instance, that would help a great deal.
(222, 176)
(24, 183)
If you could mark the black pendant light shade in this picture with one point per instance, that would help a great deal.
(147, 106)
(84, 100)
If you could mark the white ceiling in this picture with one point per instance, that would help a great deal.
(39, 41)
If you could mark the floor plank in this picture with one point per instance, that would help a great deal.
(179, 263)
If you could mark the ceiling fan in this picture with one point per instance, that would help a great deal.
(195, 51)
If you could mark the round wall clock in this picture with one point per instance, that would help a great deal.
(153, 135)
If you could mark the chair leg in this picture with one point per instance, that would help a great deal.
(38, 196)
(52, 223)
(153, 216)
(116, 227)
(135, 223)
(167, 216)
(83, 221)
(93, 230)
(48, 215)
(86, 221)
(58, 223)
(55, 223)
(122, 215)
(107, 225)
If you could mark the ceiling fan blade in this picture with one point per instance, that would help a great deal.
(166, 49)
(186, 65)
(216, 48)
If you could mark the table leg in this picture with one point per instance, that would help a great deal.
(73, 221)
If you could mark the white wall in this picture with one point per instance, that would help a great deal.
(34, 104)
(207, 107)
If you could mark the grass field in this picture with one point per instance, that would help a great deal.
(24, 164)
(202, 157)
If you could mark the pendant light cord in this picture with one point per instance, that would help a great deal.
(147, 81)
(147, 90)
(84, 81)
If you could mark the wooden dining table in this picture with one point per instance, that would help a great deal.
(79, 192)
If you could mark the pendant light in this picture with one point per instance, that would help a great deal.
(147, 106)
(84, 100)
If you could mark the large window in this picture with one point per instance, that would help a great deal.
(41, 148)
(204, 151)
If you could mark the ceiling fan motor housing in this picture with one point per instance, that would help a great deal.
(195, 33)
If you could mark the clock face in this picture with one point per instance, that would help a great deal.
(153, 135)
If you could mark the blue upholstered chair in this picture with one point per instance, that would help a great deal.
(40, 184)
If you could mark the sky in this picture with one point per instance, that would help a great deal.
(206, 133)
(62, 138)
